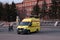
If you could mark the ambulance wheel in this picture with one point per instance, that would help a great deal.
(18, 32)
(37, 30)
(28, 32)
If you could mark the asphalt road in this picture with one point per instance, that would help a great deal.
(44, 34)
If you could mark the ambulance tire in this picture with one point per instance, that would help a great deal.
(18, 32)
(37, 30)
(28, 32)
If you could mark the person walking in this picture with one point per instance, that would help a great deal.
(10, 27)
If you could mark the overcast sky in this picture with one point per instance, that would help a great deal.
(10, 1)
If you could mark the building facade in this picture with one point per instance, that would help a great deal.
(29, 4)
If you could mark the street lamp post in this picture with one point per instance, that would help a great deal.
(17, 18)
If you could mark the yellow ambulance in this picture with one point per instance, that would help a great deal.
(28, 25)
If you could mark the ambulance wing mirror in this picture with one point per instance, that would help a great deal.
(30, 24)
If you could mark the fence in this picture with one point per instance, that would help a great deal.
(50, 23)
(43, 24)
